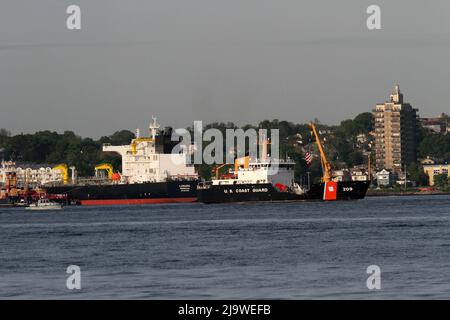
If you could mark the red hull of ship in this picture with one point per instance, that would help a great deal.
(107, 202)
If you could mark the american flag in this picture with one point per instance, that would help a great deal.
(308, 158)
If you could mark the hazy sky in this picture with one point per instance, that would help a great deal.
(215, 60)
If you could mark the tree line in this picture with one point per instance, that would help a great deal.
(341, 144)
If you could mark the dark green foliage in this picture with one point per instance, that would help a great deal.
(122, 137)
(416, 173)
(53, 148)
(436, 146)
(205, 171)
(363, 123)
(4, 136)
(441, 180)
(354, 157)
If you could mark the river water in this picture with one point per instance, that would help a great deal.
(311, 250)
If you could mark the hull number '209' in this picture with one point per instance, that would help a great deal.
(347, 189)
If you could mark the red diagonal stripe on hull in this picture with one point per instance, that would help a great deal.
(106, 202)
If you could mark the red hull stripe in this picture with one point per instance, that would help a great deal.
(107, 202)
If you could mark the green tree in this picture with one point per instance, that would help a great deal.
(347, 128)
(363, 123)
(445, 117)
(4, 136)
(441, 180)
(415, 173)
(121, 137)
(205, 171)
(435, 145)
(354, 157)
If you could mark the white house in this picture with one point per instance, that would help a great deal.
(385, 178)
(29, 174)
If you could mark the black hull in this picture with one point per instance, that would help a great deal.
(349, 190)
(109, 194)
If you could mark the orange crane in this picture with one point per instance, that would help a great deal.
(326, 166)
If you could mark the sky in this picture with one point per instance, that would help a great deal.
(215, 60)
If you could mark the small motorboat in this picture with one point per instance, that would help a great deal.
(44, 204)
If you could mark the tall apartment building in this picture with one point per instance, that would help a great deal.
(395, 133)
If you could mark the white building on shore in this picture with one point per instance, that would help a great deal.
(30, 174)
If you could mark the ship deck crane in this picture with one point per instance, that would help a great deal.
(64, 171)
(326, 166)
(153, 128)
(136, 141)
(107, 167)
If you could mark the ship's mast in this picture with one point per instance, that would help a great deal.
(264, 143)
(326, 167)
(153, 127)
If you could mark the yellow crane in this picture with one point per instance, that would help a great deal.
(107, 167)
(326, 166)
(64, 171)
(136, 141)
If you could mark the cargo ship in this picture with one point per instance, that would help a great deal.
(150, 174)
(269, 179)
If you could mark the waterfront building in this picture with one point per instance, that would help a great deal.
(437, 125)
(395, 133)
(427, 160)
(29, 174)
(361, 138)
(402, 178)
(359, 175)
(433, 170)
(385, 178)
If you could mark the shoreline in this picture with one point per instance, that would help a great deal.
(405, 193)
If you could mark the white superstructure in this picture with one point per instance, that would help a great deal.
(142, 162)
(248, 171)
(264, 170)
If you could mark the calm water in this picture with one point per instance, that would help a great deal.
(289, 251)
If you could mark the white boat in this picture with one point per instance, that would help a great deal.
(22, 203)
(44, 204)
